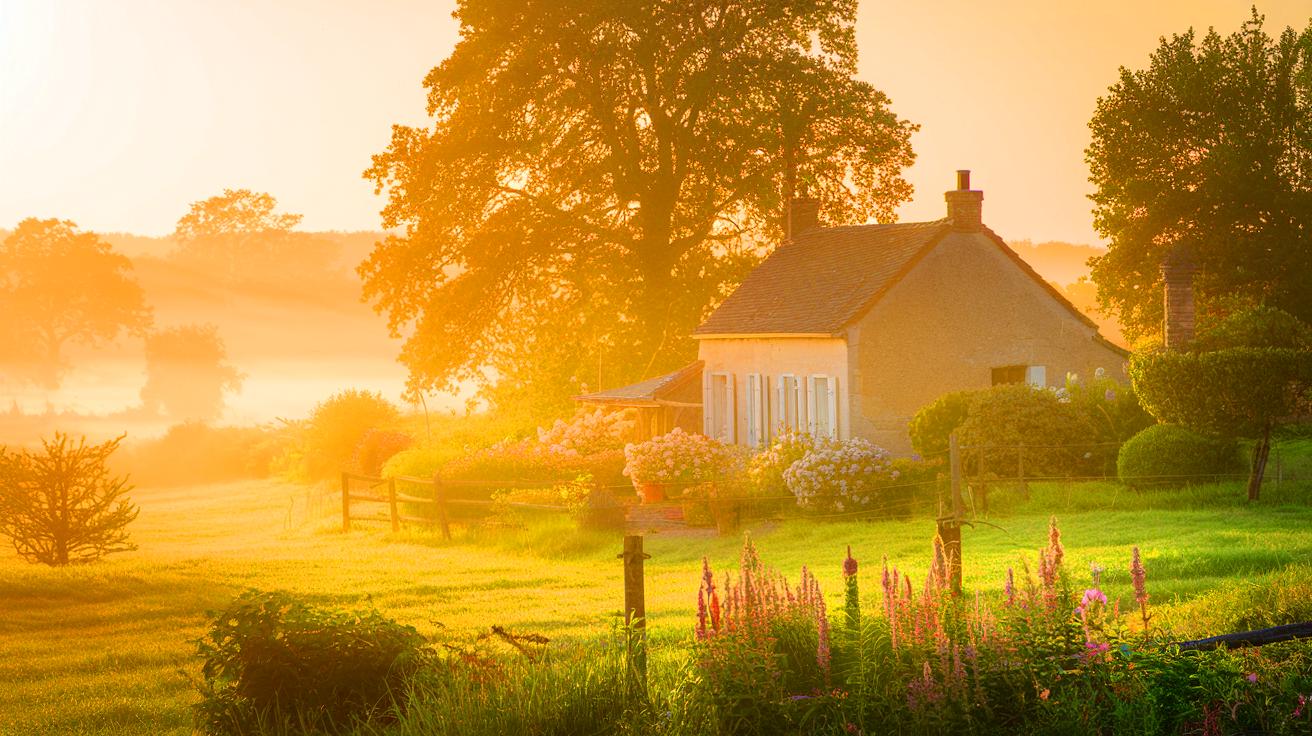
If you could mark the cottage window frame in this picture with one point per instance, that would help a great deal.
(789, 396)
(828, 399)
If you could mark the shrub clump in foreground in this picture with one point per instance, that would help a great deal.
(273, 663)
(1167, 455)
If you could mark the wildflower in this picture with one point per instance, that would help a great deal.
(701, 615)
(1054, 542)
(1044, 695)
(1011, 587)
(1252, 677)
(1140, 575)
(1095, 572)
(1302, 701)
(849, 564)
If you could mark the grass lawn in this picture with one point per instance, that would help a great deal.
(107, 648)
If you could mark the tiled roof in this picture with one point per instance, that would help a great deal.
(643, 392)
(823, 279)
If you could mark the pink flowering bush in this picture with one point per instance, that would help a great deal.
(839, 476)
(678, 457)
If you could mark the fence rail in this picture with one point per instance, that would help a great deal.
(439, 500)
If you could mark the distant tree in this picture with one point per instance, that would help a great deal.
(62, 505)
(1209, 148)
(598, 174)
(1243, 378)
(240, 237)
(187, 372)
(59, 286)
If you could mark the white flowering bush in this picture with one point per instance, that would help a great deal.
(588, 433)
(766, 469)
(678, 457)
(839, 476)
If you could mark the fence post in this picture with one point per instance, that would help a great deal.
(1020, 464)
(346, 502)
(949, 526)
(635, 606)
(439, 500)
(391, 502)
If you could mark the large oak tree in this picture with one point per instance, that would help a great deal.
(61, 286)
(1209, 149)
(596, 174)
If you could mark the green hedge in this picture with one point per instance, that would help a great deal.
(1167, 455)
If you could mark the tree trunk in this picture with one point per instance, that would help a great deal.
(1260, 452)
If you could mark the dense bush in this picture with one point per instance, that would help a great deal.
(195, 452)
(1167, 455)
(1056, 436)
(934, 423)
(336, 427)
(272, 662)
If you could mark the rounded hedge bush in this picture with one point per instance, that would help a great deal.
(1167, 455)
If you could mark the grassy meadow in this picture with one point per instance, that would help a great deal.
(107, 648)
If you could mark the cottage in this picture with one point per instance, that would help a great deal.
(848, 331)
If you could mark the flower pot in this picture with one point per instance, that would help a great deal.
(652, 492)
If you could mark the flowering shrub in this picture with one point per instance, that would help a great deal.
(839, 476)
(588, 433)
(678, 457)
(767, 467)
(376, 447)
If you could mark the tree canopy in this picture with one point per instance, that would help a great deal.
(597, 174)
(239, 236)
(58, 286)
(1208, 149)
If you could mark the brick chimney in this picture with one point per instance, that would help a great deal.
(803, 215)
(1178, 299)
(965, 205)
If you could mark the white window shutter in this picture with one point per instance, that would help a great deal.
(810, 405)
(708, 406)
(832, 383)
(765, 410)
(731, 406)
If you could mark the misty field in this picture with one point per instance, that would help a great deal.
(108, 648)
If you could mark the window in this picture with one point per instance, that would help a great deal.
(758, 407)
(822, 405)
(1008, 374)
(1034, 375)
(718, 406)
(1037, 376)
(788, 405)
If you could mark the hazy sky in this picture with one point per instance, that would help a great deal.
(118, 114)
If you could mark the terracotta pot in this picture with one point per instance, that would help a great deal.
(652, 492)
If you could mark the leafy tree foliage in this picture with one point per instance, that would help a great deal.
(187, 372)
(1245, 376)
(598, 173)
(240, 237)
(1209, 149)
(63, 505)
(60, 286)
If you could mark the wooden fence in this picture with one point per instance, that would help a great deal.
(438, 499)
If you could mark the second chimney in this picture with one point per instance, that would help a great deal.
(803, 215)
(1178, 299)
(965, 205)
